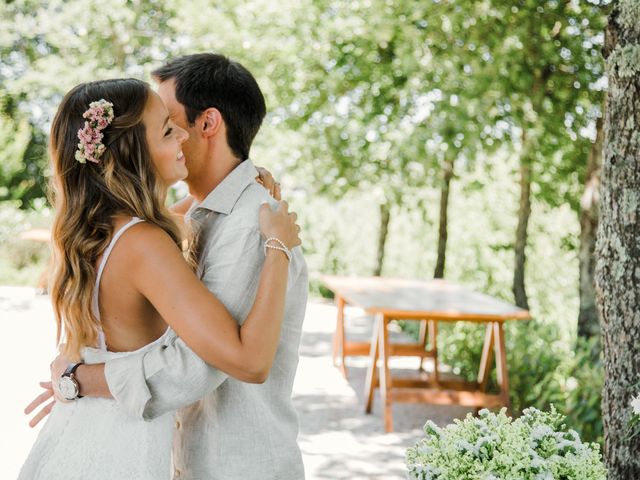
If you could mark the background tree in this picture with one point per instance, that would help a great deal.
(45, 50)
(539, 57)
(464, 122)
(588, 319)
(365, 115)
(618, 248)
(18, 174)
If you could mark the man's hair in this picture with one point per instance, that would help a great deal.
(206, 80)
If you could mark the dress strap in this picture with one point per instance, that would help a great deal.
(103, 262)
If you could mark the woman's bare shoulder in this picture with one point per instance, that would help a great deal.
(145, 241)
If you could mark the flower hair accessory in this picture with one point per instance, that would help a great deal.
(99, 116)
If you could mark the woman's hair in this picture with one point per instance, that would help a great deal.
(86, 196)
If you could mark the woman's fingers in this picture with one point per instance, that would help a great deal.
(265, 179)
(39, 400)
(46, 410)
(283, 206)
(280, 224)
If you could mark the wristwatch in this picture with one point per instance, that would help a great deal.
(68, 384)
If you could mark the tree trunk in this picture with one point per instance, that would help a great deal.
(385, 216)
(442, 230)
(618, 242)
(588, 319)
(524, 212)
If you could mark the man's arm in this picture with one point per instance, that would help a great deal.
(91, 380)
(147, 384)
(163, 379)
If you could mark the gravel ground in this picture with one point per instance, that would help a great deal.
(337, 439)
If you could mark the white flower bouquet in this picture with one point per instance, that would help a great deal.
(536, 446)
(634, 423)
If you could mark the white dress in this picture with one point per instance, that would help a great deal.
(93, 438)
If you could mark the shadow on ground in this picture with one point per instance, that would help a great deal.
(337, 438)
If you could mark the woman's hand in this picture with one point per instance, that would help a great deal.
(280, 224)
(265, 179)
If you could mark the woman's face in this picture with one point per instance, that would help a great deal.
(164, 139)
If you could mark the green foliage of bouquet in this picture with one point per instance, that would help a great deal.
(634, 423)
(536, 446)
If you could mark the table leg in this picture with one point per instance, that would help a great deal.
(486, 360)
(372, 372)
(385, 374)
(501, 363)
(422, 339)
(433, 336)
(339, 337)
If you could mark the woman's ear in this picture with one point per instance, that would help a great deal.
(211, 122)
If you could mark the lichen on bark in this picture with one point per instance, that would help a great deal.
(629, 17)
(626, 60)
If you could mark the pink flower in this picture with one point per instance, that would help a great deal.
(90, 147)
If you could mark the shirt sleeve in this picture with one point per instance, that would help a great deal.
(170, 375)
(162, 379)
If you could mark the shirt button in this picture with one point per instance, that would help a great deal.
(177, 473)
(177, 424)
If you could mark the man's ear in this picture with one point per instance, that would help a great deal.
(211, 122)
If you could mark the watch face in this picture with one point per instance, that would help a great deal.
(68, 388)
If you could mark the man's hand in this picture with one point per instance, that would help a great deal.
(39, 400)
(57, 367)
(265, 179)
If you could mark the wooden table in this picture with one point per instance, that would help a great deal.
(430, 302)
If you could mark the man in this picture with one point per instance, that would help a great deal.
(234, 430)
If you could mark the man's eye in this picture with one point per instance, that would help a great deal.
(168, 132)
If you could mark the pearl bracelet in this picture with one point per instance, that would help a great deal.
(283, 248)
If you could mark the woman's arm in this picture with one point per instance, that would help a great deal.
(161, 275)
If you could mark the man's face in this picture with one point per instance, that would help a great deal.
(192, 148)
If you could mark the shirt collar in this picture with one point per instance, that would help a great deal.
(224, 197)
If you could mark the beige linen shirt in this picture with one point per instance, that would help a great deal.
(234, 430)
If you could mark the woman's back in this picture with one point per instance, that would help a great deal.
(128, 319)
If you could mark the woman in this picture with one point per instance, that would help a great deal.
(115, 152)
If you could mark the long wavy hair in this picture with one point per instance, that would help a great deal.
(87, 197)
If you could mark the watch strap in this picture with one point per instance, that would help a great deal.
(71, 369)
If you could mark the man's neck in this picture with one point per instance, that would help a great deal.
(211, 177)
